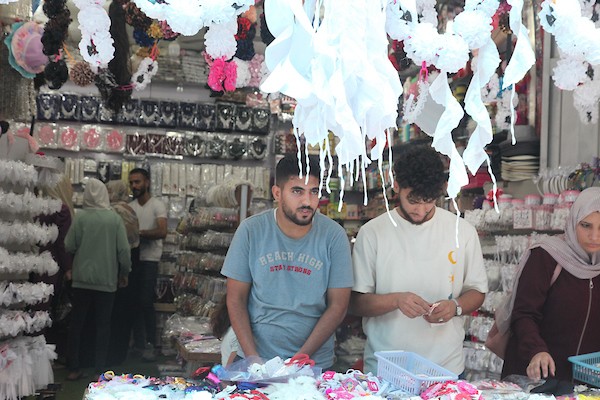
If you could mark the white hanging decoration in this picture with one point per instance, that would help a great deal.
(27, 233)
(336, 67)
(96, 45)
(577, 38)
(522, 58)
(14, 322)
(219, 39)
(188, 17)
(17, 173)
(24, 292)
(41, 264)
(28, 204)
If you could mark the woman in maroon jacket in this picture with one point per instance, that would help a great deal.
(553, 319)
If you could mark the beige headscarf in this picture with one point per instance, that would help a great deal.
(95, 195)
(62, 191)
(117, 191)
(565, 250)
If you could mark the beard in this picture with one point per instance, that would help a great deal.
(295, 219)
(136, 193)
(407, 217)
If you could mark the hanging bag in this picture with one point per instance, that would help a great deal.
(496, 342)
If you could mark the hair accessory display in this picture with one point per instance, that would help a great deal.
(155, 143)
(168, 114)
(206, 117)
(194, 145)
(236, 148)
(48, 106)
(89, 108)
(92, 138)
(225, 116)
(187, 115)
(261, 120)
(17, 173)
(14, 322)
(42, 263)
(243, 118)
(257, 148)
(215, 147)
(81, 74)
(25, 292)
(45, 134)
(68, 138)
(136, 143)
(174, 144)
(27, 233)
(149, 113)
(27, 204)
(69, 107)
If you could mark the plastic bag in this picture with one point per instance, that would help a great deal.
(254, 369)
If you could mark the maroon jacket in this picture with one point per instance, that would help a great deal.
(552, 318)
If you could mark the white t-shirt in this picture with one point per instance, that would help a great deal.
(150, 250)
(422, 259)
(229, 344)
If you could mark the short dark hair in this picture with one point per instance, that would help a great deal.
(288, 167)
(140, 171)
(421, 169)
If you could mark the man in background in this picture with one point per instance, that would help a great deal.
(152, 217)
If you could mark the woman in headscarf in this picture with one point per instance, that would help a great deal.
(118, 195)
(101, 262)
(554, 317)
(63, 191)
(121, 325)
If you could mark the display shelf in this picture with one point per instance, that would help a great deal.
(165, 307)
(505, 232)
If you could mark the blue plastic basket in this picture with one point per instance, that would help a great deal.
(586, 368)
(409, 371)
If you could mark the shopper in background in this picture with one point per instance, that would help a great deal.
(289, 272)
(121, 325)
(62, 191)
(554, 318)
(411, 280)
(222, 330)
(152, 217)
(102, 261)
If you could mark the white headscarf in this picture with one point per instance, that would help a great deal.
(95, 195)
(566, 250)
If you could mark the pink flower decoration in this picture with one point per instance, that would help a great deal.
(222, 75)
(115, 140)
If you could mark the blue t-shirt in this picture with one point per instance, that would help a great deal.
(290, 279)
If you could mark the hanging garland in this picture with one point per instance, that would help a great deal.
(55, 33)
(577, 37)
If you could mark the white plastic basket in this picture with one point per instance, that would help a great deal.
(409, 371)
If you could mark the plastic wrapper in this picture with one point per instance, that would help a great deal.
(45, 134)
(69, 107)
(114, 140)
(92, 138)
(253, 369)
(226, 116)
(48, 106)
(213, 218)
(89, 108)
(68, 138)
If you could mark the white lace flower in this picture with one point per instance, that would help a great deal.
(569, 73)
(97, 49)
(219, 39)
(424, 44)
(474, 27)
(93, 18)
(143, 76)
(243, 73)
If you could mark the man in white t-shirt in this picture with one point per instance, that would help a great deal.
(152, 217)
(412, 283)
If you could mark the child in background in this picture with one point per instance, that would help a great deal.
(221, 327)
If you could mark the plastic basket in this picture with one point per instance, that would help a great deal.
(586, 368)
(409, 371)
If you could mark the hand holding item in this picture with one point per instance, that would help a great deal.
(441, 312)
(541, 366)
(412, 305)
(123, 281)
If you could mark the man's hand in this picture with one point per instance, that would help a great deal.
(444, 311)
(69, 275)
(540, 365)
(123, 281)
(411, 305)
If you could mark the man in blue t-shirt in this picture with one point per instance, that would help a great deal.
(289, 272)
